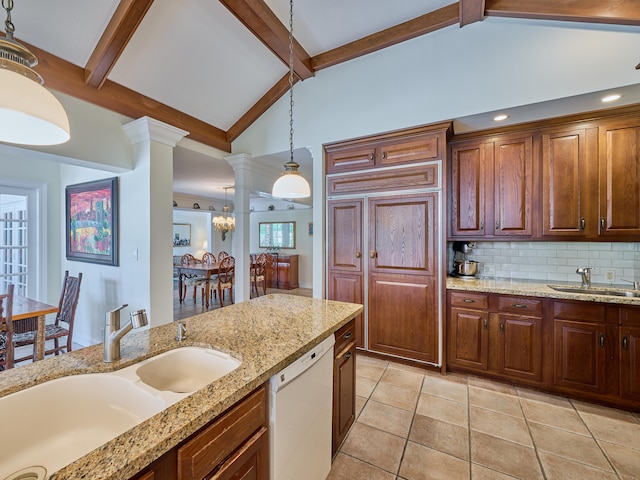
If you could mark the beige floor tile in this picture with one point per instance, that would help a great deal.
(443, 387)
(625, 460)
(443, 409)
(569, 445)
(505, 457)
(543, 397)
(423, 463)
(560, 468)
(374, 446)
(403, 378)
(478, 472)
(362, 358)
(364, 386)
(499, 425)
(620, 432)
(345, 467)
(371, 371)
(601, 410)
(491, 385)
(442, 436)
(410, 368)
(496, 401)
(385, 417)
(557, 417)
(360, 402)
(451, 376)
(397, 396)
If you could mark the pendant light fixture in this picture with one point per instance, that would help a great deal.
(291, 184)
(224, 223)
(29, 113)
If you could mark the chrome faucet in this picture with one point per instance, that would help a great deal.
(182, 331)
(585, 273)
(636, 285)
(113, 333)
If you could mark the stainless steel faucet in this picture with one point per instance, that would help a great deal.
(585, 273)
(182, 331)
(636, 285)
(113, 333)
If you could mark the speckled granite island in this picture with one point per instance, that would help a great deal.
(266, 334)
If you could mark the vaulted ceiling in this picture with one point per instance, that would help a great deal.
(213, 67)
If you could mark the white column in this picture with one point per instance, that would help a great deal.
(150, 212)
(241, 165)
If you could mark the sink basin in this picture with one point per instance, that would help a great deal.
(186, 369)
(61, 420)
(618, 292)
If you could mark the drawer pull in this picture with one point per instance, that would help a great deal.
(582, 224)
(485, 324)
(602, 223)
(482, 225)
(625, 343)
(347, 335)
(469, 300)
(519, 305)
(602, 340)
(348, 355)
(371, 157)
(501, 327)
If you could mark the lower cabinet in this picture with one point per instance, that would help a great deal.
(344, 384)
(233, 446)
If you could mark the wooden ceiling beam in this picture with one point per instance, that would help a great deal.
(68, 78)
(263, 23)
(114, 40)
(427, 23)
(619, 12)
(471, 11)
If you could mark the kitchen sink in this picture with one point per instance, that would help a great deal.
(56, 422)
(618, 292)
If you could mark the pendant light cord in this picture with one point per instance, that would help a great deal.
(9, 28)
(291, 80)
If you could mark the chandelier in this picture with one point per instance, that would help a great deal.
(29, 113)
(224, 223)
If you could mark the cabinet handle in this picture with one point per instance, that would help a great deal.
(358, 254)
(371, 157)
(347, 335)
(582, 224)
(384, 155)
(347, 355)
(602, 223)
(373, 254)
(602, 340)
(469, 300)
(482, 225)
(497, 225)
(501, 327)
(625, 343)
(485, 324)
(519, 305)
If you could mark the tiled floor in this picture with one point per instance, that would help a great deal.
(413, 425)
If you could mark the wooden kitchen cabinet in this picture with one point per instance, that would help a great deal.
(492, 187)
(282, 271)
(468, 330)
(629, 343)
(344, 384)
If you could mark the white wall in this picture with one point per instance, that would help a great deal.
(200, 222)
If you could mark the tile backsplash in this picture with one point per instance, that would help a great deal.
(557, 261)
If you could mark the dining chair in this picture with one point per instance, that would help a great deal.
(63, 325)
(6, 329)
(189, 279)
(222, 255)
(226, 269)
(207, 259)
(258, 273)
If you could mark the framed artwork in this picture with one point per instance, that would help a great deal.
(277, 235)
(92, 221)
(181, 234)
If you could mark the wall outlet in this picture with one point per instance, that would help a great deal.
(610, 275)
(489, 270)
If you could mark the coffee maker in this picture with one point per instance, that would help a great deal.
(462, 266)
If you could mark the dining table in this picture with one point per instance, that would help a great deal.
(200, 269)
(26, 308)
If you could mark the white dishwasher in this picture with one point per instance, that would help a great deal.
(300, 405)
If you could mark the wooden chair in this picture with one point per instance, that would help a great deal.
(63, 326)
(207, 259)
(224, 281)
(189, 279)
(258, 273)
(222, 255)
(6, 329)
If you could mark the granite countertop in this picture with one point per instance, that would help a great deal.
(266, 333)
(532, 288)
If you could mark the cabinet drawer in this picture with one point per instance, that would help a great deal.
(344, 336)
(580, 311)
(477, 301)
(630, 316)
(520, 305)
(207, 449)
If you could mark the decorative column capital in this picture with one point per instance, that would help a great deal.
(148, 129)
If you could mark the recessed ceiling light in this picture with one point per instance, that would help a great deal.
(611, 98)
(500, 118)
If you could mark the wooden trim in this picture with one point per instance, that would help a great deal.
(471, 11)
(263, 23)
(114, 40)
(261, 106)
(416, 27)
(68, 78)
(620, 12)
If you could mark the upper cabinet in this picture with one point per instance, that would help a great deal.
(491, 184)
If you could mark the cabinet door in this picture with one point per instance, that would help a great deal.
(348, 288)
(422, 148)
(468, 334)
(579, 356)
(569, 183)
(630, 363)
(344, 394)
(513, 185)
(350, 158)
(620, 179)
(249, 462)
(470, 165)
(520, 347)
(345, 235)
